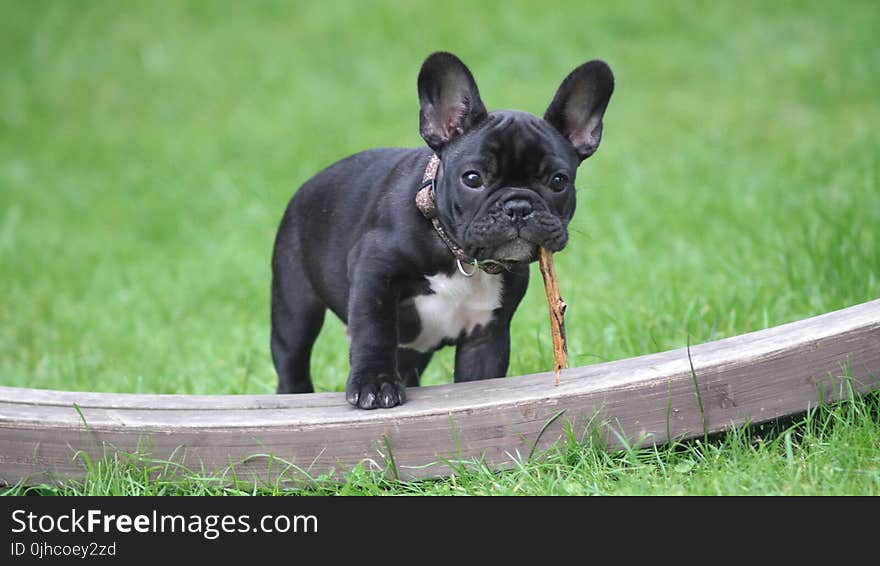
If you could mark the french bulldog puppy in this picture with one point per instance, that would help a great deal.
(409, 278)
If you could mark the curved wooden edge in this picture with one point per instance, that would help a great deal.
(649, 399)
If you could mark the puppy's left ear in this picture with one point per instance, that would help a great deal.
(577, 109)
(449, 100)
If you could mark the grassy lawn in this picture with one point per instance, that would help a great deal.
(148, 149)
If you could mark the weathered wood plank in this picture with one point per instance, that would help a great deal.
(749, 378)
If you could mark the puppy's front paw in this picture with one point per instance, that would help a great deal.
(372, 391)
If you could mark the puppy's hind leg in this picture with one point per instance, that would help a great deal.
(411, 365)
(297, 317)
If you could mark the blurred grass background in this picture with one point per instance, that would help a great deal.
(148, 149)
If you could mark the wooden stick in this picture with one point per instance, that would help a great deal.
(557, 311)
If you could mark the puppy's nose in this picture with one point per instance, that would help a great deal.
(517, 208)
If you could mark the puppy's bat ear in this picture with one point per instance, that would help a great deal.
(577, 109)
(449, 101)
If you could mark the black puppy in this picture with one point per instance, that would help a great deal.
(411, 278)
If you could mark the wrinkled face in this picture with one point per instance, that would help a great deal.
(506, 187)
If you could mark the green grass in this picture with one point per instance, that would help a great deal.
(147, 151)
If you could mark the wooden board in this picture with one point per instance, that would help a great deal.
(749, 378)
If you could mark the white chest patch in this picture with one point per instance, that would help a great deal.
(458, 304)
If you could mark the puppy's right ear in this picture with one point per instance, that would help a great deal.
(449, 101)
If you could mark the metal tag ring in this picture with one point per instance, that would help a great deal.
(463, 272)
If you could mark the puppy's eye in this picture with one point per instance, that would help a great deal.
(558, 182)
(472, 179)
